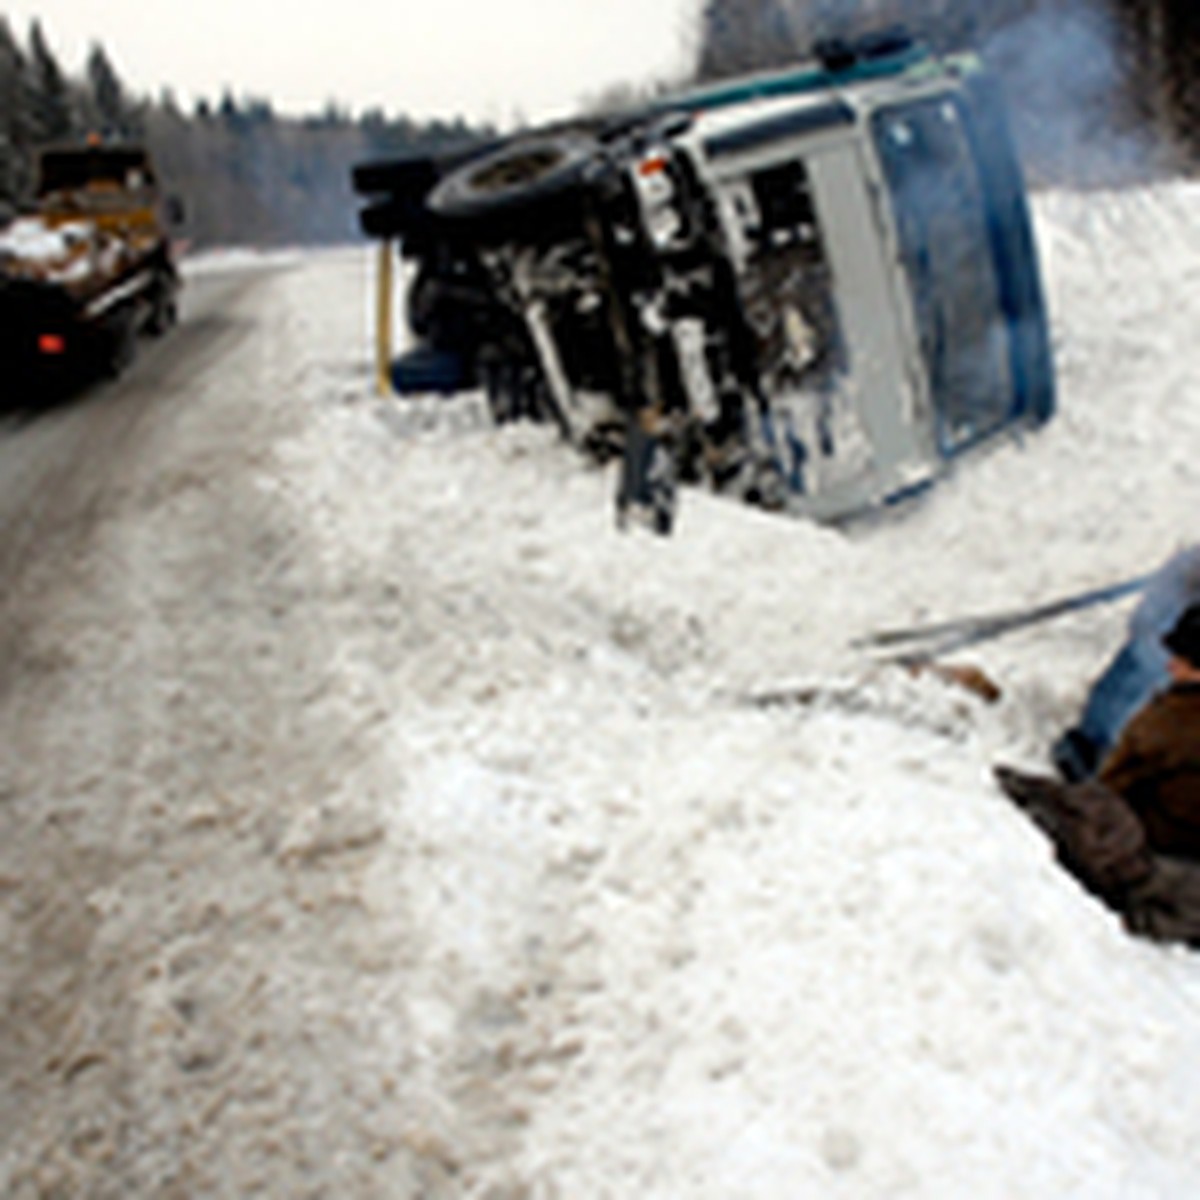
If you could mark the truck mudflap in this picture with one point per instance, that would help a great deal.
(48, 339)
(40, 336)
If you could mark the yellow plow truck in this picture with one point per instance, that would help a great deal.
(88, 270)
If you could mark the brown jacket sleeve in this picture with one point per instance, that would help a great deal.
(1155, 766)
(1137, 757)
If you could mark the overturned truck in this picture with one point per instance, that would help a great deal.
(812, 289)
(88, 270)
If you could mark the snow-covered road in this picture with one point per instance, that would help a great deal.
(377, 821)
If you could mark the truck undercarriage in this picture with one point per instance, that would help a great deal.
(811, 290)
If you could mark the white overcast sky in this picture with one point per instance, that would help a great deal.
(489, 59)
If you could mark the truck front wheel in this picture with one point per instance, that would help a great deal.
(517, 177)
(164, 312)
(121, 345)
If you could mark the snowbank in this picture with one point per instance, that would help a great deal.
(224, 260)
(795, 951)
(465, 855)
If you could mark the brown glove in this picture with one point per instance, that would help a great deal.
(1099, 838)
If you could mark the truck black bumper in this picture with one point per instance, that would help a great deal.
(44, 341)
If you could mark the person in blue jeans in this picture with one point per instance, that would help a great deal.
(1136, 674)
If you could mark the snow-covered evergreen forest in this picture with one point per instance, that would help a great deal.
(246, 174)
(1102, 91)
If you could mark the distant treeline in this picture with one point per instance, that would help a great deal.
(244, 173)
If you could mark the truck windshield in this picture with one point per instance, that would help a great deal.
(941, 221)
(64, 170)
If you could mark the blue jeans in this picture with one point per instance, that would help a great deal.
(1139, 669)
(1136, 674)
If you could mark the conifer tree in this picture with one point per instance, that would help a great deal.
(14, 121)
(110, 110)
(51, 114)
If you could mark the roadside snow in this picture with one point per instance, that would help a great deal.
(219, 261)
(442, 841)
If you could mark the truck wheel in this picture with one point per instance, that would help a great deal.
(164, 312)
(162, 317)
(122, 346)
(517, 176)
(515, 392)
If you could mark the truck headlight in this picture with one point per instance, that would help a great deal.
(656, 195)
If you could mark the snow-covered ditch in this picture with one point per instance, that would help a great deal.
(434, 839)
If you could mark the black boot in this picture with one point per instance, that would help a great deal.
(1075, 756)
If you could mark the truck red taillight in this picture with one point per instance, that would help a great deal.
(51, 343)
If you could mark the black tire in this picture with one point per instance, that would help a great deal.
(122, 345)
(518, 176)
(164, 312)
(515, 392)
(393, 218)
(396, 177)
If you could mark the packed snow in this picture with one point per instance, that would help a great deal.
(443, 841)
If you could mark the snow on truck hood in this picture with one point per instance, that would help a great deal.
(68, 253)
(32, 240)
